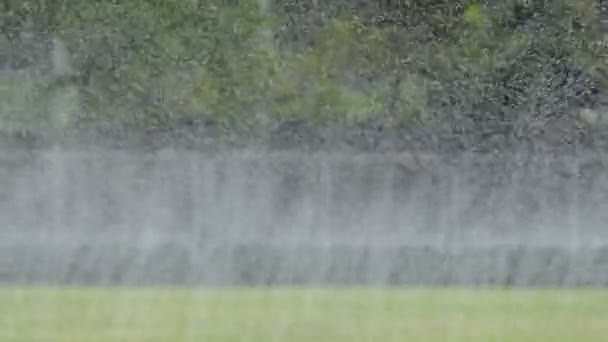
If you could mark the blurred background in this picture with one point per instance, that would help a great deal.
(443, 76)
(290, 142)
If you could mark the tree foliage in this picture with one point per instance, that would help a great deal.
(497, 72)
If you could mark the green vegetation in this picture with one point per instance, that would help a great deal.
(480, 68)
(43, 314)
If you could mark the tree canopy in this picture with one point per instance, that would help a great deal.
(476, 75)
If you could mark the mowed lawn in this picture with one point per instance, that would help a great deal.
(293, 315)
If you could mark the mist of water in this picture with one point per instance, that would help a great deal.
(98, 216)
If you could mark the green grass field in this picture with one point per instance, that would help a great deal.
(256, 315)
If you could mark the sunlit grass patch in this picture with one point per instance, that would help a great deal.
(118, 314)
